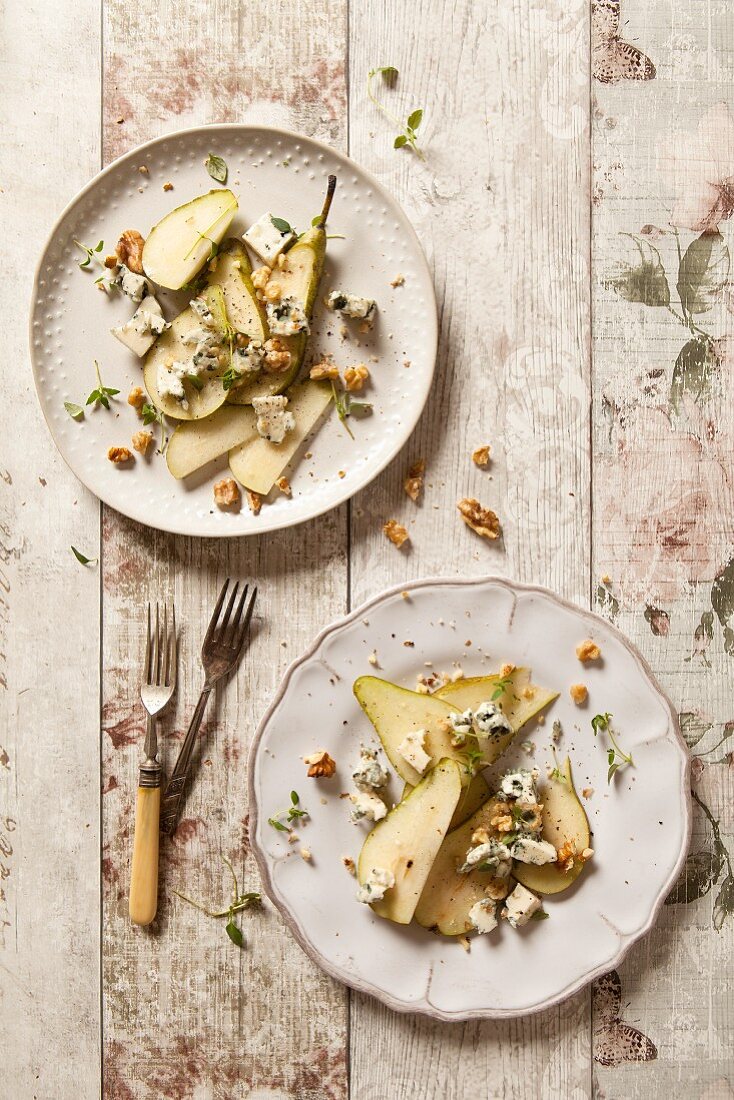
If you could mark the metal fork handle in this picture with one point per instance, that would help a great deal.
(173, 796)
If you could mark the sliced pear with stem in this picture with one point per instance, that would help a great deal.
(197, 442)
(406, 842)
(448, 895)
(256, 463)
(564, 821)
(396, 711)
(179, 244)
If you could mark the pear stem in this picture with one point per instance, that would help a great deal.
(330, 189)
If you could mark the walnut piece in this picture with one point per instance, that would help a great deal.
(168, 187)
(396, 533)
(349, 864)
(273, 291)
(355, 377)
(480, 457)
(119, 455)
(566, 856)
(320, 765)
(285, 486)
(260, 277)
(481, 520)
(413, 483)
(255, 501)
(323, 371)
(130, 250)
(579, 693)
(141, 441)
(399, 280)
(226, 493)
(136, 398)
(588, 651)
(305, 854)
(503, 823)
(587, 792)
(277, 356)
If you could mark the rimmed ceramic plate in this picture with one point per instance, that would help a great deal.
(268, 170)
(640, 823)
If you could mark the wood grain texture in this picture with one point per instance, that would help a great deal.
(663, 506)
(501, 206)
(186, 1013)
(49, 690)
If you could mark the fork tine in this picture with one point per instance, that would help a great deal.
(173, 644)
(233, 628)
(165, 655)
(215, 614)
(156, 660)
(248, 615)
(147, 650)
(228, 612)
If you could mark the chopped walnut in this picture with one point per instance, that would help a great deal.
(349, 864)
(255, 501)
(168, 187)
(464, 943)
(110, 262)
(119, 455)
(413, 483)
(497, 889)
(588, 651)
(320, 765)
(136, 398)
(277, 356)
(503, 823)
(587, 792)
(325, 370)
(355, 377)
(566, 856)
(130, 250)
(481, 520)
(141, 441)
(399, 280)
(226, 493)
(480, 457)
(396, 533)
(260, 277)
(579, 693)
(480, 836)
(273, 291)
(285, 486)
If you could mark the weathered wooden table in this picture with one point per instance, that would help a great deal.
(569, 340)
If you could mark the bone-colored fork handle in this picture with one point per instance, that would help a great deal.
(174, 792)
(144, 875)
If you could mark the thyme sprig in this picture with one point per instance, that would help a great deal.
(408, 136)
(616, 757)
(90, 254)
(293, 813)
(239, 902)
(102, 394)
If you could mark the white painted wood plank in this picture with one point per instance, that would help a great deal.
(663, 506)
(186, 1013)
(501, 205)
(49, 614)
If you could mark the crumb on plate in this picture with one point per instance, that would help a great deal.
(284, 485)
(255, 501)
(579, 693)
(141, 441)
(168, 186)
(349, 864)
(399, 280)
(588, 651)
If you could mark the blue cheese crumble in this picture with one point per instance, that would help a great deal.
(527, 849)
(130, 283)
(462, 726)
(351, 305)
(286, 317)
(487, 855)
(519, 786)
(482, 916)
(490, 721)
(273, 421)
(520, 906)
(144, 327)
(267, 240)
(249, 359)
(366, 804)
(370, 775)
(169, 380)
(412, 751)
(375, 885)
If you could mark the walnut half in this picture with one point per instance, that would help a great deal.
(482, 520)
(320, 765)
(130, 250)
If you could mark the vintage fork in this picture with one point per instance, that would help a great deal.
(158, 687)
(222, 648)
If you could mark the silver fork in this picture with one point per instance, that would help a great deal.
(159, 684)
(223, 645)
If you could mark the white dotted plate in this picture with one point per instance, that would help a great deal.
(640, 822)
(268, 170)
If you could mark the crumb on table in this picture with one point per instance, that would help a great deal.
(413, 483)
(483, 521)
(480, 457)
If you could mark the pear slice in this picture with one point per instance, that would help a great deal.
(472, 797)
(564, 819)
(396, 711)
(202, 399)
(179, 245)
(407, 840)
(517, 707)
(197, 442)
(231, 270)
(447, 895)
(256, 463)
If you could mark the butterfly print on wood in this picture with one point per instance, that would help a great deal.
(612, 59)
(614, 1040)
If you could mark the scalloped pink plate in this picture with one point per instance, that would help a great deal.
(640, 823)
(268, 170)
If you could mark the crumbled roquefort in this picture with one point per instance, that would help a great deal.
(482, 916)
(366, 804)
(273, 420)
(267, 240)
(527, 849)
(462, 726)
(374, 886)
(490, 721)
(370, 775)
(130, 283)
(412, 751)
(519, 785)
(520, 906)
(352, 305)
(146, 324)
(286, 317)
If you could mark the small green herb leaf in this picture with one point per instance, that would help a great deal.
(278, 825)
(600, 722)
(235, 933)
(76, 412)
(216, 167)
(195, 381)
(400, 141)
(360, 409)
(294, 798)
(89, 253)
(415, 119)
(102, 394)
(231, 377)
(283, 227)
(540, 914)
(82, 558)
